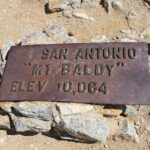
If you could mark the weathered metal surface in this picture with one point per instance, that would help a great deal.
(104, 73)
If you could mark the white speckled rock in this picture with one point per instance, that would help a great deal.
(42, 111)
(57, 32)
(128, 131)
(23, 124)
(71, 39)
(86, 127)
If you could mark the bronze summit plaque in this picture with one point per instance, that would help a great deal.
(104, 73)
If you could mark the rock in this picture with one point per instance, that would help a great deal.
(35, 38)
(4, 122)
(57, 32)
(71, 39)
(67, 13)
(57, 5)
(117, 5)
(146, 33)
(23, 124)
(42, 111)
(107, 4)
(130, 110)
(111, 112)
(82, 16)
(130, 35)
(74, 3)
(128, 132)
(87, 2)
(99, 39)
(73, 108)
(86, 127)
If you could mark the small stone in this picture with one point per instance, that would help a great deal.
(87, 2)
(57, 32)
(146, 33)
(128, 132)
(67, 13)
(4, 122)
(117, 5)
(111, 112)
(35, 38)
(23, 124)
(42, 111)
(73, 108)
(57, 5)
(71, 39)
(99, 39)
(130, 110)
(74, 3)
(86, 127)
(82, 16)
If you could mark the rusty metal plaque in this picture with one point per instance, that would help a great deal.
(103, 73)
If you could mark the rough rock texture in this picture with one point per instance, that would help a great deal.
(35, 110)
(131, 110)
(87, 127)
(23, 124)
(36, 38)
(57, 32)
(71, 39)
(57, 5)
(128, 131)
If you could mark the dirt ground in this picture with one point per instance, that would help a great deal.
(21, 17)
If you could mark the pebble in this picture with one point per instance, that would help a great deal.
(35, 38)
(56, 5)
(71, 39)
(56, 32)
(130, 110)
(82, 16)
(67, 13)
(128, 132)
(117, 5)
(146, 33)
